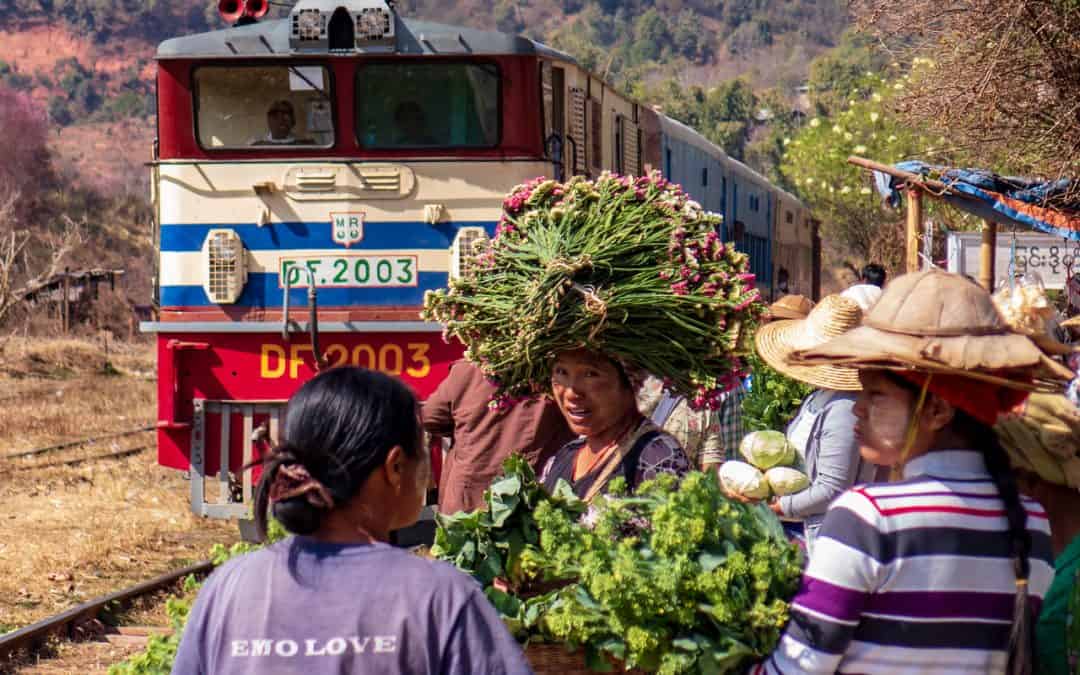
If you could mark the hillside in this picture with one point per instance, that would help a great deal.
(89, 60)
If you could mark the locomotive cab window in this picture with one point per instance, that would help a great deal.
(427, 105)
(263, 107)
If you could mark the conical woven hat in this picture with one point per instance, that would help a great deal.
(939, 322)
(831, 317)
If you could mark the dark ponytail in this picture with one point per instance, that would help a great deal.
(1021, 649)
(339, 426)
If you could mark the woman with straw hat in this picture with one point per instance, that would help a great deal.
(942, 572)
(823, 430)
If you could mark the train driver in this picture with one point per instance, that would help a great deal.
(410, 125)
(280, 122)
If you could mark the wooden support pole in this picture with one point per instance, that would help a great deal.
(988, 255)
(65, 321)
(914, 223)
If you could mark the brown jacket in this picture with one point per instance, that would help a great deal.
(484, 437)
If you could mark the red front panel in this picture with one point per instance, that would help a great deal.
(264, 367)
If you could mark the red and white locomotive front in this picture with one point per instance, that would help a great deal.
(315, 177)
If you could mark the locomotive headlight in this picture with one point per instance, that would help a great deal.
(469, 242)
(226, 266)
(373, 23)
(308, 24)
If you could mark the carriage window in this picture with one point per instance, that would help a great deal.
(264, 107)
(427, 105)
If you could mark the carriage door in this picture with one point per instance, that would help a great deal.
(553, 95)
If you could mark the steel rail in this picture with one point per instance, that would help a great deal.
(31, 638)
(76, 443)
(80, 460)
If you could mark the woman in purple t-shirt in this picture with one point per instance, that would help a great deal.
(336, 598)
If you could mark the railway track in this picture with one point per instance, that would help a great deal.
(84, 621)
(14, 462)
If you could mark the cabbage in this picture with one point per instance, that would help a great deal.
(743, 479)
(785, 481)
(766, 449)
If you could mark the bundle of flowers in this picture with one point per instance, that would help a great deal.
(629, 267)
(674, 579)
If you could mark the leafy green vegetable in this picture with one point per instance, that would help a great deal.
(767, 448)
(675, 578)
(501, 542)
(773, 399)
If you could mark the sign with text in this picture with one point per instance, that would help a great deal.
(1053, 258)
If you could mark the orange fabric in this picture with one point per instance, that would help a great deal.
(981, 400)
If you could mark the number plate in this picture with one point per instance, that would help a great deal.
(350, 271)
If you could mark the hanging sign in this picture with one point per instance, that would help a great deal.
(1053, 258)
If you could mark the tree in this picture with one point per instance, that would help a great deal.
(23, 135)
(507, 18)
(722, 114)
(854, 223)
(841, 73)
(22, 268)
(1005, 76)
(651, 37)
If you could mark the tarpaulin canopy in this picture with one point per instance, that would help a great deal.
(1005, 200)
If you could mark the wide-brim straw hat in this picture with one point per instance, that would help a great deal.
(936, 322)
(832, 317)
(791, 307)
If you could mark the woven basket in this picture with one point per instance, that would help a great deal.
(554, 659)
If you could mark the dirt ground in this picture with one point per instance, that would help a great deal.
(72, 533)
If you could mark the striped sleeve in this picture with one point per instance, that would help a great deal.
(836, 587)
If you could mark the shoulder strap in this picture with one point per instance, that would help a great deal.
(630, 462)
(666, 406)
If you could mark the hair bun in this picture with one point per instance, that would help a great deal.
(298, 516)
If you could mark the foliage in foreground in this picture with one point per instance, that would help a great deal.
(675, 579)
(160, 652)
(773, 399)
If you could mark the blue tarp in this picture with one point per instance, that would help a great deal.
(1006, 200)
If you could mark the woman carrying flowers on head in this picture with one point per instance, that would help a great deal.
(588, 287)
(598, 400)
(943, 571)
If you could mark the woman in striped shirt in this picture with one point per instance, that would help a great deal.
(942, 571)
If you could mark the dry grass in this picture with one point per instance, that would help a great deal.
(84, 658)
(69, 534)
(60, 391)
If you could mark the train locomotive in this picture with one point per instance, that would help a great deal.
(314, 176)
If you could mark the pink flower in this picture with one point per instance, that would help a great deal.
(680, 288)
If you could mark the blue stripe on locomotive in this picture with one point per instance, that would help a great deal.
(298, 236)
(262, 291)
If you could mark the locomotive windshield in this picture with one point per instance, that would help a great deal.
(427, 105)
(257, 107)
